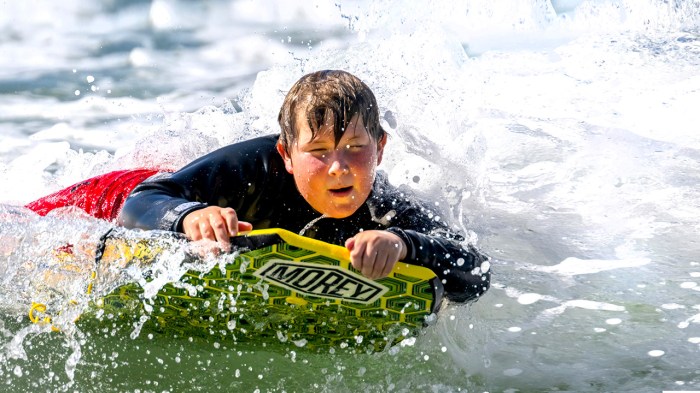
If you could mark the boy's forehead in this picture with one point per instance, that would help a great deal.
(355, 129)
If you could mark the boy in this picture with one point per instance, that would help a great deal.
(317, 178)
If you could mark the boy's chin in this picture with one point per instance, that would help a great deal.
(340, 213)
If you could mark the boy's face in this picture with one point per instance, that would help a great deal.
(335, 180)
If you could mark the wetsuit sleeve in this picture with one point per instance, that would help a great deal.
(234, 176)
(463, 270)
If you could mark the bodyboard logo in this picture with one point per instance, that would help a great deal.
(324, 281)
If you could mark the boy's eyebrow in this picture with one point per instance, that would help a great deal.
(318, 140)
(322, 139)
(357, 135)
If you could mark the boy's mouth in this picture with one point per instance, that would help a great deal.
(343, 191)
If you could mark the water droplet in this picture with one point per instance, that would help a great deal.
(300, 343)
(511, 372)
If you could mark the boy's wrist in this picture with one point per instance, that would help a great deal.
(407, 251)
(174, 218)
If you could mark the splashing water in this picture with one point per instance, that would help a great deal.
(311, 224)
(562, 134)
(53, 271)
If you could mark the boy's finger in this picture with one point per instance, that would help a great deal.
(231, 219)
(205, 231)
(356, 255)
(388, 267)
(369, 259)
(220, 229)
(380, 265)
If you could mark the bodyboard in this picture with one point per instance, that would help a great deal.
(280, 287)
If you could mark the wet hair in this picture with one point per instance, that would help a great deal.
(327, 95)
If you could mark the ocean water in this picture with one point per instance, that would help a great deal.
(563, 136)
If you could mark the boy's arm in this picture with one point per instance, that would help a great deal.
(464, 272)
(157, 203)
(234, 176)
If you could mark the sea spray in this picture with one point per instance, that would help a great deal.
(59, 267)
(556, 106)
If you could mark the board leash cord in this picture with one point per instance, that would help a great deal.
(63, 256)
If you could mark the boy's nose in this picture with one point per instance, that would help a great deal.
(338, 167)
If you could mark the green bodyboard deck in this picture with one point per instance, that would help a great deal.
(281, 287)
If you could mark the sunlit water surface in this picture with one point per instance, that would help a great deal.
(562, 135)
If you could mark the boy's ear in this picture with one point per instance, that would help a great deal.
(285, 157)
(380, 148)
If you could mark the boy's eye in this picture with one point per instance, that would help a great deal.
(325, 150)
(318, 151)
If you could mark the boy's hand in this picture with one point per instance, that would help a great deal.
(375, 253)
(214, 223)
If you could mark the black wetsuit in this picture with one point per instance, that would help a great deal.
(250, 177)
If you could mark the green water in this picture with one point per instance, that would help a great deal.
(112, 361)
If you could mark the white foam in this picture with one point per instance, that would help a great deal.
(574, 266)
(593, 305)
(672, 306)
(693, 319)
(512, 372)
(529, 298)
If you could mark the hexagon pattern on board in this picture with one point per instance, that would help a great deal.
(237, 304)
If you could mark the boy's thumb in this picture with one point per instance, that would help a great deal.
(244, 226)
(350, 243)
